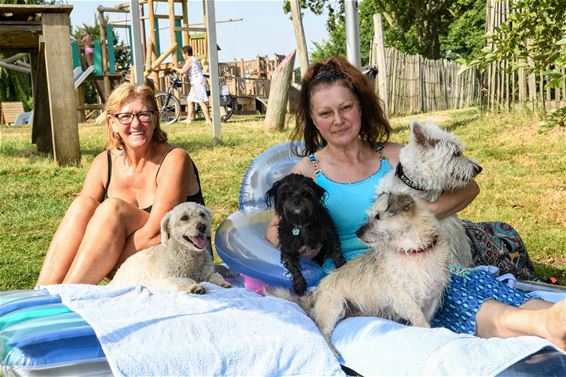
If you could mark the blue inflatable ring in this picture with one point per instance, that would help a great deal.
(240, 238)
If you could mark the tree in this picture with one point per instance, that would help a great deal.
(434, 29)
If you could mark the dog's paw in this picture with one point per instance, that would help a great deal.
(196, 289)
(226, 285)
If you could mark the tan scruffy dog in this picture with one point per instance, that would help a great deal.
(181, 260)
(402, 277)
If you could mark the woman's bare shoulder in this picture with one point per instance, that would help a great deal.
(391, 152)
(304, 167)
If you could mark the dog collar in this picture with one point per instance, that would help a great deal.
(424, 248)
(296, 231)
(406, 180)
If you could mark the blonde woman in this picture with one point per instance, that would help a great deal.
(126, 192)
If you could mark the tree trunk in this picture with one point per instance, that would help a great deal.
(278, 95)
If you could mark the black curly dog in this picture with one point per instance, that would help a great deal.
(303, 221)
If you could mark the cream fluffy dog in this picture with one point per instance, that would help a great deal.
(402, 277)
(181, 260)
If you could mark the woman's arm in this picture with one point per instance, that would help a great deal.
(186, 67)
(452, 202)
(96, 178)
(175, 182)
(448, 203)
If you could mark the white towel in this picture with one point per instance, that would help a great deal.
(374, 346)
(232, 332)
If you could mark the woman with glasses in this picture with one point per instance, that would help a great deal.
(126, 192)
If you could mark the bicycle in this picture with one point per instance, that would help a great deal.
(170, 105)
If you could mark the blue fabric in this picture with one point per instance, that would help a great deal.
(356, 197)
(468, 289)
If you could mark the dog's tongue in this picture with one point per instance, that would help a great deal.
(199, 241)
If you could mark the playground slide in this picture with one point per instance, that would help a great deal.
(80, 75)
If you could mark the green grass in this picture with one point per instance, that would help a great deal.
(523, 182)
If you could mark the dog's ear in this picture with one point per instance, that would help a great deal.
(319, 191)
(420, 135)
(399, 203)
(271, 194)
(165, 232)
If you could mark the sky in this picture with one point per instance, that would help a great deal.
(264, 30)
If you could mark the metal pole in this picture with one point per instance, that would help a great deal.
(137, 46)
(213, 71)
(352, 32)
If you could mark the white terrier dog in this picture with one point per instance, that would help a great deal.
(430, 164)
(181, 260)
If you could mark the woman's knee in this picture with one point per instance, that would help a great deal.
(117, 212)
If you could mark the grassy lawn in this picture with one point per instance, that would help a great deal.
(523, 181)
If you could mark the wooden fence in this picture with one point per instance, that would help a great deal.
(504, 88)
(416, 84)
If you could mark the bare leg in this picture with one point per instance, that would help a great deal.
(190, 111)
(204, 108)
(535, 317)
(104, 241)
(66, 241)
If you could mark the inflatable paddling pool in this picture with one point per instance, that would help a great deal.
(239, 239)
(40, 336)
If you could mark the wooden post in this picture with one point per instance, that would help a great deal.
(59, 69)
(136, 48)
(41, 128)
(102, 28)
(300, 36)
(153, 38)
(213, 70)
(172, 36)
(186, 37)
(382, 89)
(278, 95)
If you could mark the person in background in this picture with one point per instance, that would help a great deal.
(126, 192)
(347, 152)
(88, 43)
(198, 92)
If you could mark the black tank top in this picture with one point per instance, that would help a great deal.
(197, 198)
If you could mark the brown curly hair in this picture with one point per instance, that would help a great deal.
(337, 70)
(117, 99)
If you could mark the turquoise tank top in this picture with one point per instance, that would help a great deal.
(347, 204)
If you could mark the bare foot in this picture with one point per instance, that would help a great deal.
(556, 324)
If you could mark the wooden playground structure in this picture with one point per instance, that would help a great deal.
(58, 65)
(247, 80)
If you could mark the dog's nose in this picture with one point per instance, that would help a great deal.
(477, 168)
(201, 227)
(361, 230)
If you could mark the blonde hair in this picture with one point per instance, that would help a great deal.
(120, 95)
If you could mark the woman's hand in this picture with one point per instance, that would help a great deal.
(452, 202)
(309, 253)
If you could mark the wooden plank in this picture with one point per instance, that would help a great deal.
(41, 134)
(10, 111)
(62, 101)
